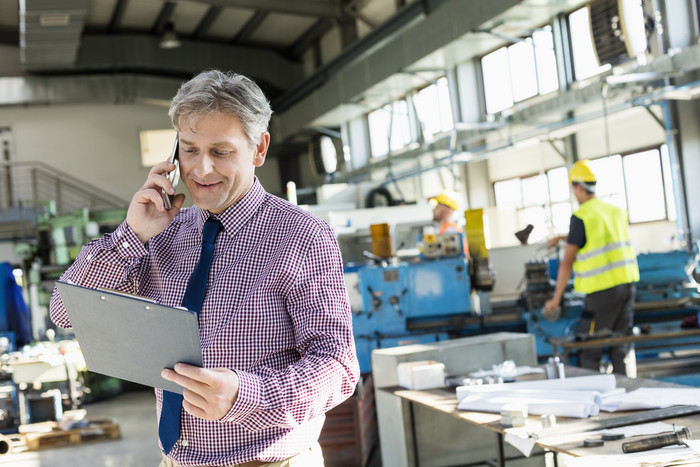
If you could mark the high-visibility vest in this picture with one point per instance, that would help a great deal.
(607, 259)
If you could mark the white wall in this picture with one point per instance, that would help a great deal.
(97, 143)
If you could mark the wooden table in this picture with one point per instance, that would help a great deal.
(445, 401)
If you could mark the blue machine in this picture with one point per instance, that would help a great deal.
(410, 302)
(540, 275)
(666, 295)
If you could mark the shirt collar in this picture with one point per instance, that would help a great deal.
(239, 213)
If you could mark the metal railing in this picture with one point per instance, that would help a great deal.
(27, 184)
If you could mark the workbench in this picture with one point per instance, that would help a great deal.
(444, 401)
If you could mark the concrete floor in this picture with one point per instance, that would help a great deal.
(138, 447)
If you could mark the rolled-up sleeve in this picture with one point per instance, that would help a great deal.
(105, 262)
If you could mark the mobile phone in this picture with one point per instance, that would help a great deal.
(173, 176)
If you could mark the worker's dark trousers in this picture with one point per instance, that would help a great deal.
(610, 310)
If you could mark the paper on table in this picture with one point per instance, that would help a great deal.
(651, 398)
(574, 404)
(600, 383)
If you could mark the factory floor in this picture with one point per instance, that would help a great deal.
(138, 447)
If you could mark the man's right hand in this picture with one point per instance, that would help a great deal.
(147, 215)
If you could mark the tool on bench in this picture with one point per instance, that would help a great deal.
(614, 422)
(655, 442)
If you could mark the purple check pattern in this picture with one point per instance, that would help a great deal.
(276, 312)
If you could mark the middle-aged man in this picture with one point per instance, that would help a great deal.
(275, 324)
(599, 252)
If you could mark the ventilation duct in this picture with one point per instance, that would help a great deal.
(618, 28)
(50, 33)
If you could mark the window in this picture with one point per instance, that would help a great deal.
(539, 200)
(389, 128)
(645, 186)
(156, 146)
(433, 108)
(517, 72)
(639, 182)
(610, 185)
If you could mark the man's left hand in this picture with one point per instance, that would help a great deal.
(209, 392)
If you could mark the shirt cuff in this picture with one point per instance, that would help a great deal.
(126, 243)
(249, 395)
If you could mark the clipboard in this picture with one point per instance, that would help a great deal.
(131, 337)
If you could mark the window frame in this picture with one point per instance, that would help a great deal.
(536, 61)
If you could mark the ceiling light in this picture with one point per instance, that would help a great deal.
(169, 40)
(54, 19)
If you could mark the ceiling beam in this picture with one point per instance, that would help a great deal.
(117, 15)
(206, 22)
(310, 36)
(249, 27)
(306, 8)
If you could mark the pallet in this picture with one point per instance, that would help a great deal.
(98, 430)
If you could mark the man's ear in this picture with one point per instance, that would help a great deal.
(261, 149)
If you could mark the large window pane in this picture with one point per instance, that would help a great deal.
(536, 216)
(610, 186)
(558, 184)
(523, 73)
(645, 188)
(389, 126)
(446, 119)
(508, 193)
(433, 108)
(561, 215)
(582, 50)
(400, 132)
(547, 77)
(497, 85)
(378, 122)
(535, 190)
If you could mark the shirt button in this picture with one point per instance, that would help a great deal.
(120, 233)
(185, 443)
(125, 244)
(89, 257)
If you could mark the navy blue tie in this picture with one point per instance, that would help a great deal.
(169, 426)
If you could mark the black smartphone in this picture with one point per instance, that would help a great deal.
(173, 176)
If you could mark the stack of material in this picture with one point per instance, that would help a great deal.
(73, 428)
(579, 397)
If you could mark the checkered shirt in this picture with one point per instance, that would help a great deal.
(276, 311)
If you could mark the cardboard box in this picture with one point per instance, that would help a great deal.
(424, 374)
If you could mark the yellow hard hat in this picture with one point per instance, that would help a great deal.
(581, 172)
(448, 198)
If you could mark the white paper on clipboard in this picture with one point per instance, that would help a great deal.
(130, 337)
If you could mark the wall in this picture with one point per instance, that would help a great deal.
(97, 143)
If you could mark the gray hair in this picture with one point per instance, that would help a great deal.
(229, 93)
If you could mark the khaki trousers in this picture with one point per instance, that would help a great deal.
(311, 457)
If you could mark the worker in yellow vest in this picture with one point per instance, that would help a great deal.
(445, 204)
(599, 252)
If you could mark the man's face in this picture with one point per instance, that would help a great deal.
(441, 212)
(217, 163)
